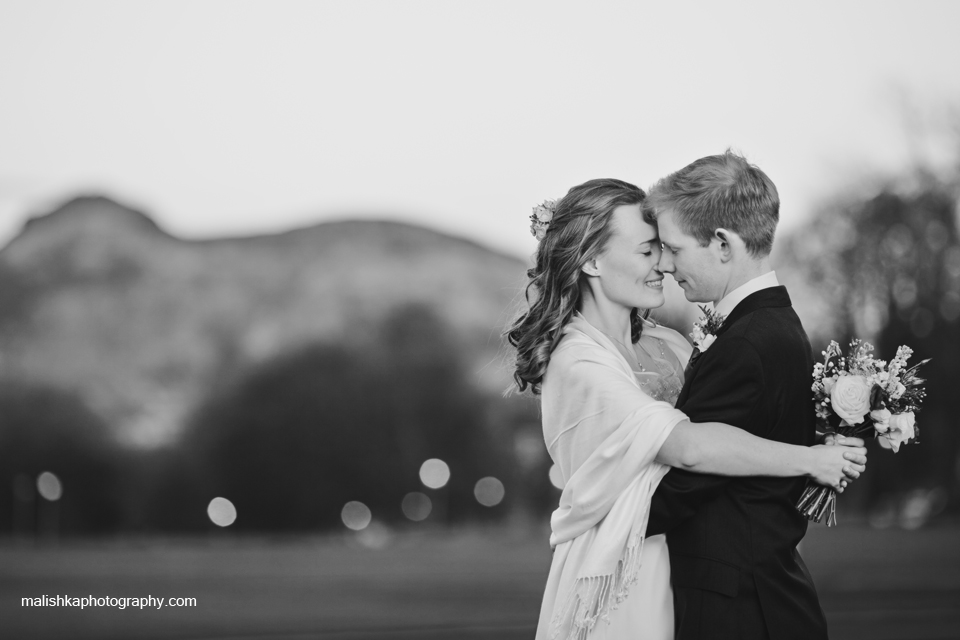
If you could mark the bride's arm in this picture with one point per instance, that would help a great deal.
(718, 448)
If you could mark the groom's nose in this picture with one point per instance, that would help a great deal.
(666, 262)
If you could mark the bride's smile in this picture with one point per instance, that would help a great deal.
(626, 270)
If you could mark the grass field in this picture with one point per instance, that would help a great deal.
(471, 584)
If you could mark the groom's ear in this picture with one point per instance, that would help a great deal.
(590, 268)
(725, 240)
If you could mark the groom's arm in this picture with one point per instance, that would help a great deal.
(728, 388)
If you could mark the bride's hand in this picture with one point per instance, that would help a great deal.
(845, 441)
(834, 466)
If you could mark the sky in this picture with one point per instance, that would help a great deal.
(238, 118)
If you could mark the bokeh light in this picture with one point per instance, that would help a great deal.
(356, 515)
(49, 486)
(434, 473)
(221, 512)
(950, 306)
(528, 447)
(488, 491)
(556, 478)
(416, 506)
(376, 536)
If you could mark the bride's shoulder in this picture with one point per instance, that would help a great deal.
(579, 343)
(573, 345)
(680, 345)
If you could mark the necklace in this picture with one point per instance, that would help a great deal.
(631, 354)
(663, 384)
(663, 357)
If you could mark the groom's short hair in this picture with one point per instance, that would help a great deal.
(722, 191)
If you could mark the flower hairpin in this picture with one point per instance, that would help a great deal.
(541, 217)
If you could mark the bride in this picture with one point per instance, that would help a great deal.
(608, 379)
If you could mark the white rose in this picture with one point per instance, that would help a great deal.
(850, 398)
(901, 430)
(706, 342)
(904, 423)
(881, 420)
(891, 441)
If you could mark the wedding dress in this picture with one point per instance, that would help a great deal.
(607, 409)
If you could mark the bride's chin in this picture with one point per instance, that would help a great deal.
(652, 304)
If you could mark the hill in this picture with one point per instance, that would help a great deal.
(96, 297)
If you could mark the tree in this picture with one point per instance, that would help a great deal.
(292, 440)
(886, 269)
(43, 428)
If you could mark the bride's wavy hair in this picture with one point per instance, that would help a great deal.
(578, 233)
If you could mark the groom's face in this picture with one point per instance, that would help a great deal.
(697, 269)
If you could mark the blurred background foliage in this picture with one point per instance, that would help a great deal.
(297, 372)
(883, 264)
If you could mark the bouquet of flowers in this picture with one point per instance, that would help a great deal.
(858, 395)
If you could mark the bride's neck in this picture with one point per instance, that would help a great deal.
(610, 318)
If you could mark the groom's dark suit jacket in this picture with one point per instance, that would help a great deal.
(734, 565)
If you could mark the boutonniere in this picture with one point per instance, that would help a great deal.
(705, 329)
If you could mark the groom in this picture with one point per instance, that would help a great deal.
(735, 569)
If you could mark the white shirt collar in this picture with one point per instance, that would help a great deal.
(735, 297)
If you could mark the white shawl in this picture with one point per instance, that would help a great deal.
(603, 432)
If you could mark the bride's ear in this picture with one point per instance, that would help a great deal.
(590, 268)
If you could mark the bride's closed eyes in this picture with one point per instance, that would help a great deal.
(647, 248)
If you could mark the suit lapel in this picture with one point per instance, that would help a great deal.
(770, 297)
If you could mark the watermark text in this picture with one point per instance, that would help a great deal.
(82, 602)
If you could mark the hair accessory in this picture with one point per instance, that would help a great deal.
(541, 217)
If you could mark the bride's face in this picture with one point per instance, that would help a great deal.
(627, 268)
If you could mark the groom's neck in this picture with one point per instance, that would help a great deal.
(743, 273)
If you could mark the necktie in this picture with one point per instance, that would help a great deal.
(693, 358)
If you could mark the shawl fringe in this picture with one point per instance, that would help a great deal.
(592, 599)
